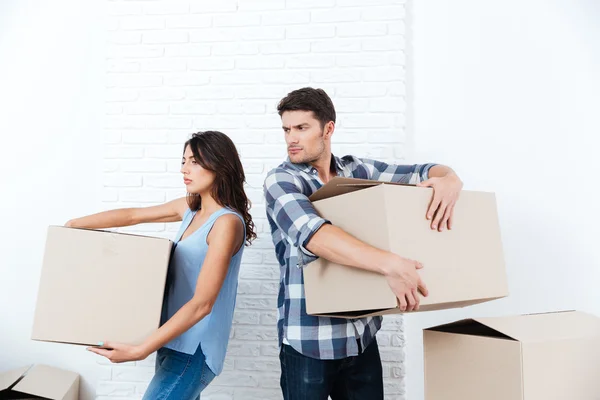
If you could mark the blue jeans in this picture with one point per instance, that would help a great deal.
(351, 378)
(179, 376)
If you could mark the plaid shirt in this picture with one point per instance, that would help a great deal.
(293, 221)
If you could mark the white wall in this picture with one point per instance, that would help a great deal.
(179, 67)
(508, 94)
(50, 109)
(173, 68)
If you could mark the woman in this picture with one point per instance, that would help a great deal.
(203, 271)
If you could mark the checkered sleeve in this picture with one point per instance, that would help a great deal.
(409, 174)
(292, 211)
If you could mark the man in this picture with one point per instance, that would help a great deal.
(322, 357)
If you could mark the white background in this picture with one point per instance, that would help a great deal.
(51, 73)
(508, 94)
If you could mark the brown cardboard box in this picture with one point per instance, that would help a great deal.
(462, 267)
(554, 356)
(39, 382)
(98, 285)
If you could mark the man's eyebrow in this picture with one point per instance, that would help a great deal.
(295, 126)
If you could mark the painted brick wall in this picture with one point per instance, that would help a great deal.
(175, 67)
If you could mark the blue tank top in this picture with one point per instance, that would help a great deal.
(212, 332)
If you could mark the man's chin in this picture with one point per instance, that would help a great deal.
(298, 160)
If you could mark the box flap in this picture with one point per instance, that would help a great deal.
(470, 327)
(546, 326)
(49, 382)
(339, 185)
(9, 378)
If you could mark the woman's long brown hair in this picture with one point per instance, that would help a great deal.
(216, 152)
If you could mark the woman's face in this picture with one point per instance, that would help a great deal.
(197, 179)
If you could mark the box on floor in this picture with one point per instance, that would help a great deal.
(39, 382)
(549, 356)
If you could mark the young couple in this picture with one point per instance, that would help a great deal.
(320, 357)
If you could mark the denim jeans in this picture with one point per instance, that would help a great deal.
(179, 376)
(351, 378)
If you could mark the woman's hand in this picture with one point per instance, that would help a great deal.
(119, 353)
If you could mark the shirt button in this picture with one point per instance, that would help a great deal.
(314, 171)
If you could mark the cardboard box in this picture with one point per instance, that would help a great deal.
(39, 382)
(462, 267)
(97, 286)
(554, 356)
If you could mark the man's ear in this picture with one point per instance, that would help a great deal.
(329, 128)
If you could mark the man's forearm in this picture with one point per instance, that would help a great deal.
(336, 245)
(439, 171)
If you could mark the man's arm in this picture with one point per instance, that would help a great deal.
(295, 216)
(338, 246)
(440, 171)
(399, 173)
(292, 212)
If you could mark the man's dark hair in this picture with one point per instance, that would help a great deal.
(309, 99)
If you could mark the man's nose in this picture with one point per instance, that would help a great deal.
(292, 138)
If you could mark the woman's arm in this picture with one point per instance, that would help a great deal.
(168, 212)
(224, 240)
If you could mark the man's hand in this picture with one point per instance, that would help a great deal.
(446, 191)
(405, 282)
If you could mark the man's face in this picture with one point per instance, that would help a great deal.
(304, 136)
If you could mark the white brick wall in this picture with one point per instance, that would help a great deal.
(175, 67)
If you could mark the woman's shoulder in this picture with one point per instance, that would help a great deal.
(229, 225)
(231, 215)
(229, 219)
(229, 210)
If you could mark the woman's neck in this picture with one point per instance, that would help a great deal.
(208, 206)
